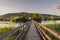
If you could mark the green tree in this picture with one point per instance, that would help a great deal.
(25, 18)
(15, 19)
(53, 17)
(37, 17)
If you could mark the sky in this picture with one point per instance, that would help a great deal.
(33, 6)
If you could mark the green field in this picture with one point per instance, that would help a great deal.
(5, 30)
(55, 27)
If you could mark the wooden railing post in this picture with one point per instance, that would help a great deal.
(46, 32)
(17, 34)
(23, 28)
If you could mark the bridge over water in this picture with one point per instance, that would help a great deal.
(31, 31)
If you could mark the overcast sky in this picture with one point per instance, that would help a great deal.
(38, 6)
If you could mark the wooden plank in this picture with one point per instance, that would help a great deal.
(32, 33)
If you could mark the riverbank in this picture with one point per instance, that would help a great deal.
(55, 27)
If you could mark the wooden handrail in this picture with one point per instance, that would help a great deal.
(49, 30)
(27, 24)
(20, 36)
(42, 33)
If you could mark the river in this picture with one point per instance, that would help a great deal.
(50, 22)
(8, 24)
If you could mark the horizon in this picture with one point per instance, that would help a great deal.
(31, 6)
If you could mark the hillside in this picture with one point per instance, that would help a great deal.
(10, 15)
(21, 14)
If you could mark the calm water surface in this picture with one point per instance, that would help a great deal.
(8, 24)
(50, 22)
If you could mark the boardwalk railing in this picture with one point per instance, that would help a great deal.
(20, 31)
(40, 28)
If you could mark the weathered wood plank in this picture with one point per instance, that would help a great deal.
(32, 33)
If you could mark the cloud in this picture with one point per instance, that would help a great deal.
(56, 7)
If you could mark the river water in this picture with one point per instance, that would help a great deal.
(50, 22)
(8, 24)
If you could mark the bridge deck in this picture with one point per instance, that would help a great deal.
(32, 33)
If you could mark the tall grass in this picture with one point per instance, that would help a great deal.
(55, 27)
(5, 30)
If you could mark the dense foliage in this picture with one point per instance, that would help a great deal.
(24, 16)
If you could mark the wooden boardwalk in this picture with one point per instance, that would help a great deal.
(31, 30)
(32, 33)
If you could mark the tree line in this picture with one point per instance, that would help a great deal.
(36, 17)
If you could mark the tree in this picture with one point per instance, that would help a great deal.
(25, 18)
(15, 19)
(53, 17)
(37, 17)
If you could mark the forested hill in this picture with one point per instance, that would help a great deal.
(22, 13)
(10, 15)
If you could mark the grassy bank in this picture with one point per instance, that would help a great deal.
(55, 27)
(5, 30)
